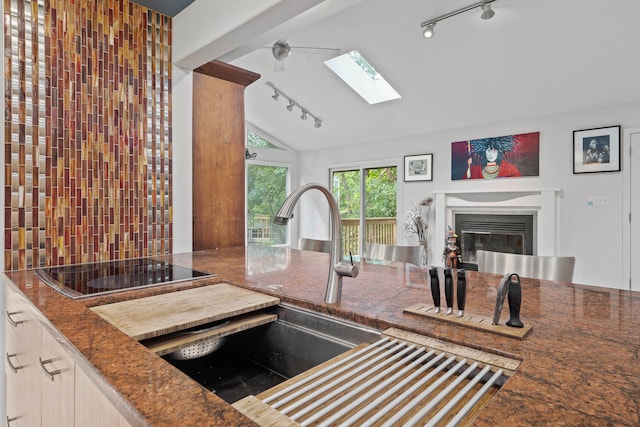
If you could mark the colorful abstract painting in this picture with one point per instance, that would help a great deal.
(496, 157)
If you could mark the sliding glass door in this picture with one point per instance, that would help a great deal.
(367, 199)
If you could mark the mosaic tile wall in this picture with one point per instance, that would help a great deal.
(87, 132)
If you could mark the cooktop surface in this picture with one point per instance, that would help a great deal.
(85, 280)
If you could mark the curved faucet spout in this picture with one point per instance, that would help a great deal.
(338, 267)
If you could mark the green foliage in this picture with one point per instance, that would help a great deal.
(255, 140)
(266, 191)
(381, 189)
(346, 190)
(380, 192)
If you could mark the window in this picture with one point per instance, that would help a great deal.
(267, 185)
(255, 140)
(367, 199)
(266, 191)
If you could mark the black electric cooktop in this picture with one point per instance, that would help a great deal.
(86, 280)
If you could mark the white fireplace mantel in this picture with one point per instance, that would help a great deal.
(541, 203)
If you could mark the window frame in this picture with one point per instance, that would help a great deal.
(361, 167)
(282, 156)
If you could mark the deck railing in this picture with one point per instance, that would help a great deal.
(377, 230)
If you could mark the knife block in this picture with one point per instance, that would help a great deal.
(469, 320)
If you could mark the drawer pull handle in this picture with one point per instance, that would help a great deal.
(13, 367)
(14, 323)
(50, 374)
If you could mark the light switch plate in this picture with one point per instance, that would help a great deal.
(598, 200)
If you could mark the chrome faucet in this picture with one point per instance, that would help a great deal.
(338, 267)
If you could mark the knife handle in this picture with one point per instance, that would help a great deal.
(515, 301)
(448, 289)
(435, 288)
(461, 294)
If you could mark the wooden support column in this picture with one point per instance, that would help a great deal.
(218, 155)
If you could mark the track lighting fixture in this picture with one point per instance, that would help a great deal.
(428, 31)
(304, 113)
(487, 13)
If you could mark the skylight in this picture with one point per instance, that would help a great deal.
(358, 73)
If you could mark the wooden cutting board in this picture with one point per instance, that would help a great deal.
(162, 314)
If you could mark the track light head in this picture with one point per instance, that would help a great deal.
(487, 12)
(291, 103)
(428, 31)
(485, 5)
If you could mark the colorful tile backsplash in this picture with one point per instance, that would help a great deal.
(87, 132)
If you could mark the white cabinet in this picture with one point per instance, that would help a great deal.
(92, 407)
(22, 346)
(57, 379)
(44, 384)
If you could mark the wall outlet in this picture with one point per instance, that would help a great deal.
(598, 200)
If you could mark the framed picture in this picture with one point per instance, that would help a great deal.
(496, 157)
(418, 167)
(596, 150)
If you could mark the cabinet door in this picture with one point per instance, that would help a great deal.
(22, 340)
(92, 408)
(41, 384)
(57, 373)
(15, 378)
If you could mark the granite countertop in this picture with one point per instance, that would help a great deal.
(579, 363)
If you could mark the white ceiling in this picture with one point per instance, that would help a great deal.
(535, 57)
(170, 8)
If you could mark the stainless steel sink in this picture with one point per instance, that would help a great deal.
(395, 377)
(300, 340)
(255, 360)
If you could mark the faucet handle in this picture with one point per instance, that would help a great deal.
(346, 269)
(515, 300)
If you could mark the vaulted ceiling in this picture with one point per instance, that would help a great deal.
(534, 58)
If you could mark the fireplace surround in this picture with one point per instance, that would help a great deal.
(499, 207)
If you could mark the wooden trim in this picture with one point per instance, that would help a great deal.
(262, 413)
(508, 364)
(228, 72)
(475, 321)
(178, 340)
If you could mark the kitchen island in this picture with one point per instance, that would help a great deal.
(579, 363)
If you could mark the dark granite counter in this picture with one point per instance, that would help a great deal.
(579, 363)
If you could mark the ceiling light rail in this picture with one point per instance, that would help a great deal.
(305, 114)
(487, 13)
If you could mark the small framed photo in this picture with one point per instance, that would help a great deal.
(596, 150)
(418, 167)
